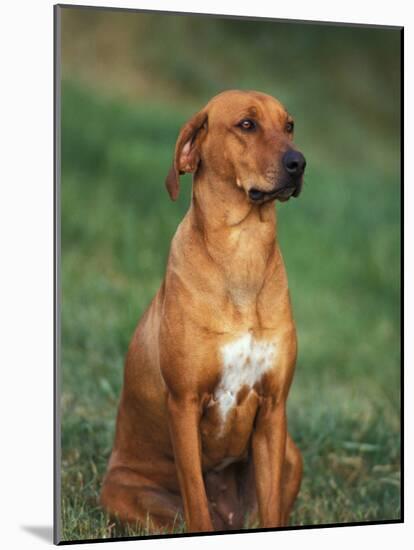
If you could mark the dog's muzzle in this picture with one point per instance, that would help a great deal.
(294, 164)
(282, 193)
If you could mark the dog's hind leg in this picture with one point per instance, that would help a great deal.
(140, 503)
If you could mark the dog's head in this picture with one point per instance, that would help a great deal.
(245, 139)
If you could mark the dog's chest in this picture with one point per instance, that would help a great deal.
(243, 363)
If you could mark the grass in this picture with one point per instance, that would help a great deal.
(341, 245)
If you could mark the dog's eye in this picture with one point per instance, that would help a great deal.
(247, 124)
(290, 126)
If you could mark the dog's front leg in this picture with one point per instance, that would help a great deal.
(184, 417)
(269, 447)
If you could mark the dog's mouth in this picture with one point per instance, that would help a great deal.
(283, 194)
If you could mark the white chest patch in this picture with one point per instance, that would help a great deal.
(244, 362)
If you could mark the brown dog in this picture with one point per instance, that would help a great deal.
(201, 428)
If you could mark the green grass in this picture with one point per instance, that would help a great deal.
(341, 245)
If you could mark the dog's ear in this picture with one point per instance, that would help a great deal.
(187, 152)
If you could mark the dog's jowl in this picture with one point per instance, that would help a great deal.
(201, 432)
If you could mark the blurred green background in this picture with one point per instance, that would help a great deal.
(129, 81)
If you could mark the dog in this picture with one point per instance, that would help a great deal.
(201, 430)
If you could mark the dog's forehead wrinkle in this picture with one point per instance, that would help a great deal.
(250, 103)
(243, 111)
(268, 111)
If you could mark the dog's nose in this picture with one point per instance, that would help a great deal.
(294, 163)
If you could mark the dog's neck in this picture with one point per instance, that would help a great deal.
(238, 236)
(218, 204)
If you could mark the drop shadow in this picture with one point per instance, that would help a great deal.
(43, 532)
